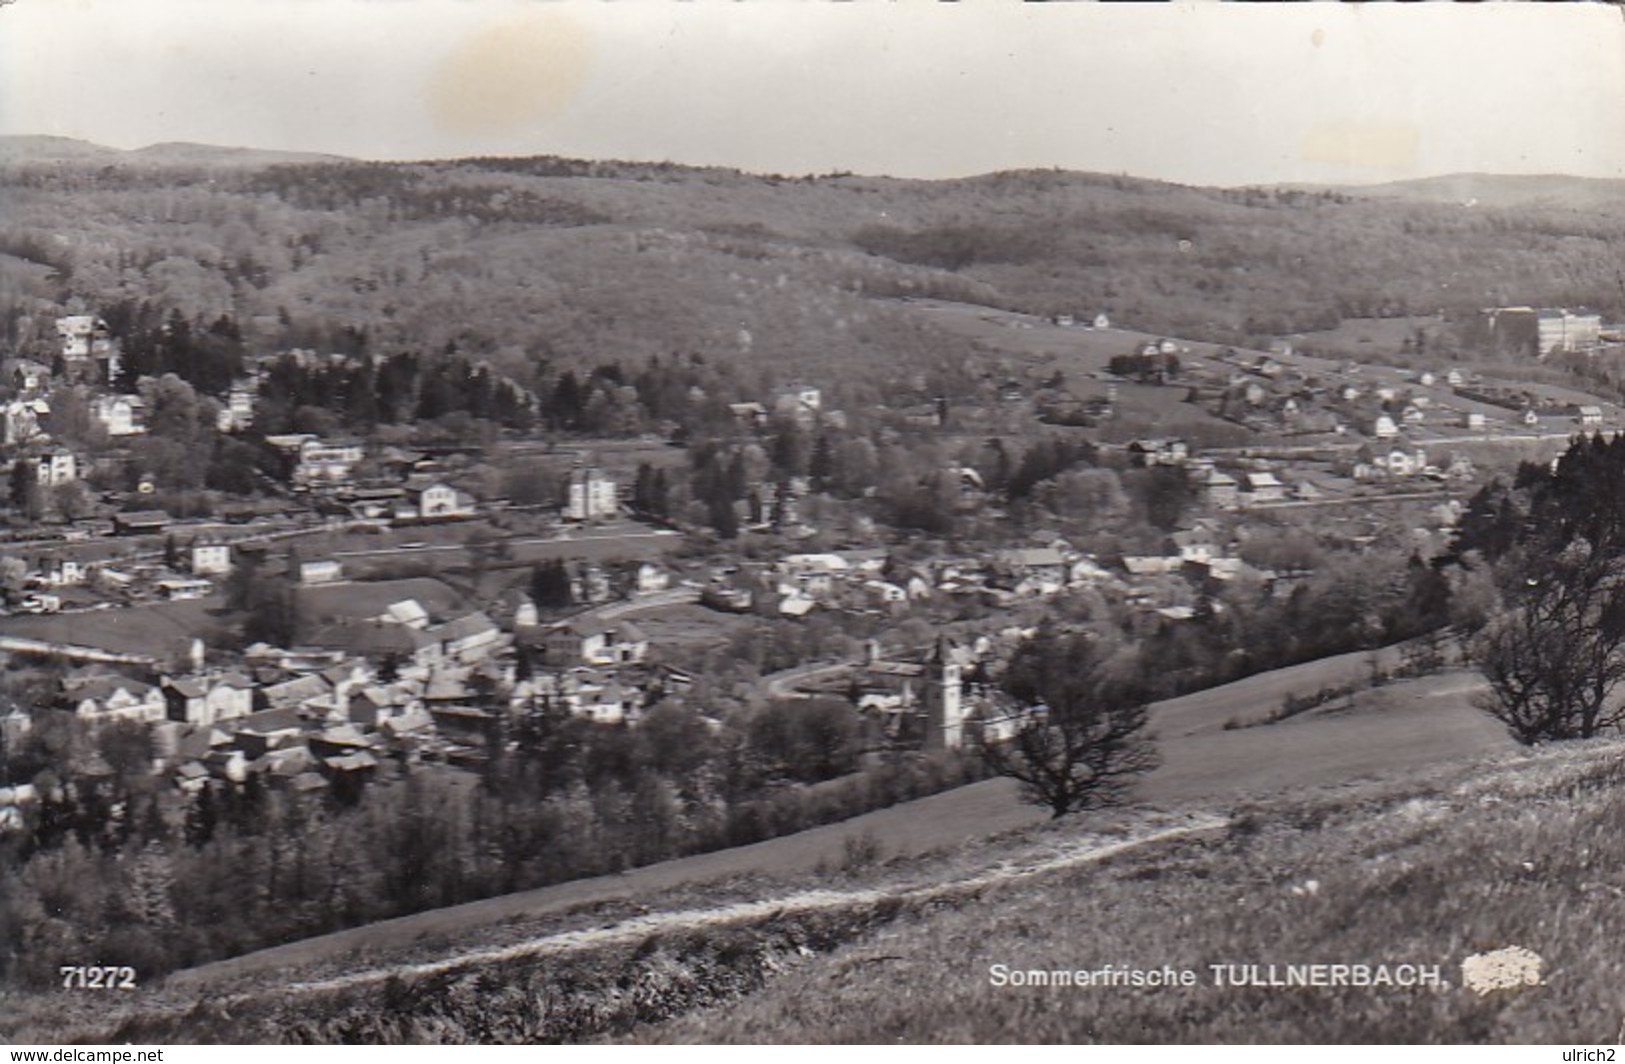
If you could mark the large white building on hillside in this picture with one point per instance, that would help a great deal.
(591, 496)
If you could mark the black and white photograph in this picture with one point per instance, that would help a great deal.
(570, 522)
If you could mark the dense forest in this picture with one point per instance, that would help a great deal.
(523, 260)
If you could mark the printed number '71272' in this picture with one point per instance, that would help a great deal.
(97, 977)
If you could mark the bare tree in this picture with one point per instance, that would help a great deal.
(1555, 656)
(1081, 738)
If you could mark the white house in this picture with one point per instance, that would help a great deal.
(797, 399)
(20, 420)
(439, 499)
(237, 412)
(651, 578)
(326, 571)
(104, 698)
(79, 333)
(322, 462)
(65, 572)
(593, 642)
(179, 588)
(591, 496)
(186, 699)
(210, 558)
(119, 415)
(884, 592)
(56, 466)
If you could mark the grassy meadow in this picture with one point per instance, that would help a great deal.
(1420, 867)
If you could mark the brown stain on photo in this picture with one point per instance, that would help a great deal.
(1380, 145)
(510, 75)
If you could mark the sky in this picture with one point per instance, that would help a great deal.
(1197, 92)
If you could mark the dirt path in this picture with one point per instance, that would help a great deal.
(639, 928)
(912, 828)
(1411, 725)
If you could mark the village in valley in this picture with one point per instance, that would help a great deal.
(552, 524)
(383, 539)
(361, 606)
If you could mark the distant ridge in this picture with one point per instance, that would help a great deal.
(1497, 190)
(38, 149)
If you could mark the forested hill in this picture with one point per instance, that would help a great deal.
(568, 261)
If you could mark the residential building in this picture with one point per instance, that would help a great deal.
(210, 558)
(798, 400)
(325, 571)
(1158, 452)
(1220, 489)
(229, 695)
(65, 572)
(1544, 330)
(1560, 329)
(104, 697)
(178, 588)
(437, 499)
(591, 496)
(86, 339)
(237, 412)
(1035, 570)
(469, 638)
(322, 463)
(120, 415)
(140, 522)
(1260, 488)
(56, 466)
(26, 375)
(20, 420)
(591, 641)
(650, 578)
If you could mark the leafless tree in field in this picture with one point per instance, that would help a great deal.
(1081, 740)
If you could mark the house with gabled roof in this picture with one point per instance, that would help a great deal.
(1261, 487)
(99, 698)
(593, 641)
(295, 693)
(269, 729)
(435, 499)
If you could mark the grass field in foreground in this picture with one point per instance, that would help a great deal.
(1520, 849)
(1526, 853)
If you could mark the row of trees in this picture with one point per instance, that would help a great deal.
(122, 872)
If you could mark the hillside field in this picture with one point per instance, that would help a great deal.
(1389, 805)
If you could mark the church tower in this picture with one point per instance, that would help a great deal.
(944, 697)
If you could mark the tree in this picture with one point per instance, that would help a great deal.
(550, 585)
(1082, 738)
(1555, 656)
(25, 489)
